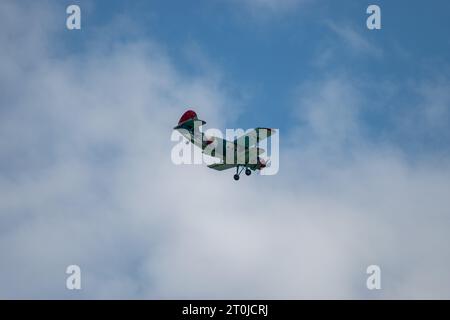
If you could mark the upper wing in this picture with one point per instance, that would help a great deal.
(254, 136)
(221, 166)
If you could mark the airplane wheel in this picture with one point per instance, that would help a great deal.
(236, 177)
(248, 172)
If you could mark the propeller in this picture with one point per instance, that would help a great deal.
(264, 163)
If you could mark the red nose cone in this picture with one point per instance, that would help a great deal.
(188, 115)
(262, 163)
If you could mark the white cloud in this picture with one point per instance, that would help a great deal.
(355, 41)
(264, 10)
(345, 41)
(329, 110)
(86, 179)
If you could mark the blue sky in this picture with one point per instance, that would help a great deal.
(86, 176)
(264, 54)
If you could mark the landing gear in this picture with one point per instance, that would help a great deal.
(238, 172)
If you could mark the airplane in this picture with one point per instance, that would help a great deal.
(243, 153)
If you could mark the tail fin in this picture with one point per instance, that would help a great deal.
(188, 119)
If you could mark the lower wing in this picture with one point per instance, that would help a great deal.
(221, 166)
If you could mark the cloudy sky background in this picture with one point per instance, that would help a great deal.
(86, 176)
